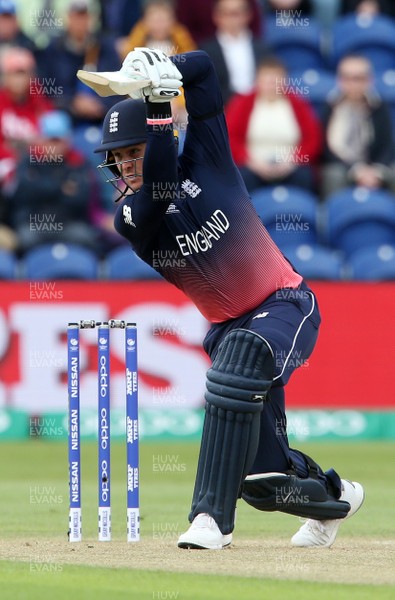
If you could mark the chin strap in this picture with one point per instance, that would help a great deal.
(125, 193)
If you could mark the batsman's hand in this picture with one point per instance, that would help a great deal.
(154, 65)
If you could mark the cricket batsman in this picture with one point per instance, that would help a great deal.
(262, 313)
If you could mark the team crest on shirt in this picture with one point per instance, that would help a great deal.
(190, 188)
(113, 123)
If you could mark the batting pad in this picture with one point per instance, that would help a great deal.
(237, 386)
(292, 495)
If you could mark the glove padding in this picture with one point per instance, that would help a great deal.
(154, 65)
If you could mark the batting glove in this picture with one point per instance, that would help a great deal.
(154, 65)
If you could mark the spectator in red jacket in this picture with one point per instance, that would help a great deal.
(274, 134)
(21, 103)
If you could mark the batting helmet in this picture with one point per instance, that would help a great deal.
(124, 125)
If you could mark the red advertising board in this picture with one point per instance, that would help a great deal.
(351, 366)
(353, 361)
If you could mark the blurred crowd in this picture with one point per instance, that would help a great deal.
(50, 122)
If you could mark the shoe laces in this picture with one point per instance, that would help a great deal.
(203, 520)
(313, 525)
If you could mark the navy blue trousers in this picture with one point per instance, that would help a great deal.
(289, 321)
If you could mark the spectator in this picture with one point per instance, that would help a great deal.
(8, 239)
(300, 7)
(159, 29)
(44, 20)
(326, 12)
(78, 47)
(233, 50)
(274, 134)
(119, 16)
(368, 7)
(10, 31)
(52, 194)
(358, 132)
(197, 17)
(21, 105)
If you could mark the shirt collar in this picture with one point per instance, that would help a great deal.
(227, 39)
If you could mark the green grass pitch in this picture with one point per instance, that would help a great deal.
(34, 508)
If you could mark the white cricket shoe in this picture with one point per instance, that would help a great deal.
(323, 533)
(204, 534)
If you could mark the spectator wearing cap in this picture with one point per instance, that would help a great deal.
(10, 30)
(78, 48)
(21, 105)
(55, 190)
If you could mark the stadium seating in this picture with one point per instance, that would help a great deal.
(315, 262)
(315, 86)
(60, 261)
(288, 213)
(123, 264)
(385, 86)
(8, 265)
(86, 139)
(373, 264)
(372, 37)
(296, 45)
(358, 217)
